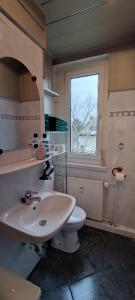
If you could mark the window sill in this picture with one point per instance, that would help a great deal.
(90, 167)
(86, 167)
(86, 162)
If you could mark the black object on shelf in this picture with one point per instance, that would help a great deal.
(1, 151)
(48, 170)
(35, 146)
(55, 124)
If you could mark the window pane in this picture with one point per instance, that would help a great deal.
(84, 100)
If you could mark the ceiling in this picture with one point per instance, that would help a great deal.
(78, 26)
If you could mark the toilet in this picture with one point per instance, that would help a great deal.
(67, 239)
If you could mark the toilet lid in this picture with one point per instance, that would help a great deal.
(77, 215)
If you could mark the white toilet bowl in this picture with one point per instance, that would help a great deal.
(67, 239)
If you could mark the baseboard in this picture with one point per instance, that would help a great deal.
(122, 230)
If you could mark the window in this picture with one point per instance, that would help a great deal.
(84, 114)
(85, 88)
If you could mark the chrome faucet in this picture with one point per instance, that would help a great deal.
(28, 198)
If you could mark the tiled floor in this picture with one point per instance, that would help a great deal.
(102, 269)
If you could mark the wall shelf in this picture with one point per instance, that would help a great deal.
(50, 93)
(21, 165)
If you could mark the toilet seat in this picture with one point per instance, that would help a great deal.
(78, 215)
(76, 220)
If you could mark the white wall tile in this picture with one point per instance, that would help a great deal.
(124, 100)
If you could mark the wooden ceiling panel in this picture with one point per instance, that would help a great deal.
(110, 22)
(101, 16)
(57, 9)
(96, 37)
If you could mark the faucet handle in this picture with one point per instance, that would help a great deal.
(33, 192)
(29, 193)
(28, 199)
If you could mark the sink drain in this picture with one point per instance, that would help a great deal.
(42, 222)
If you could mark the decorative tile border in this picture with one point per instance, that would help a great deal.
(17, 100)
(15, 117)
(122, 114)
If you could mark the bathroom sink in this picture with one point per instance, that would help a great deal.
(38, 222)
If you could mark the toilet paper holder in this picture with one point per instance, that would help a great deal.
(117, 169)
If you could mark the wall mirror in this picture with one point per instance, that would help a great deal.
(19, 105)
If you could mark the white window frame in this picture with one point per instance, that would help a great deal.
(100, 68)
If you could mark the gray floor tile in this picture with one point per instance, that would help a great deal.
(76, 266)
(62, 293)
(102, 286)
(102, 269)
(41, 271)
(122, 248)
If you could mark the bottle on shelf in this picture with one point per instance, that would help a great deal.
(40, 151)
(35, 140)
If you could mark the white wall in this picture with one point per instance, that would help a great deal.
(49, 105)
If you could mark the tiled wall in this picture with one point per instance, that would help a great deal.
(121, 131)
(30, 124)
(9, 125)
(18, 122)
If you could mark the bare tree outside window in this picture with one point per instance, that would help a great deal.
(84, 100)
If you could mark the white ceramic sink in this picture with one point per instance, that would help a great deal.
(38, 222)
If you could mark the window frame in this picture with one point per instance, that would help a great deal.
(100, 68)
